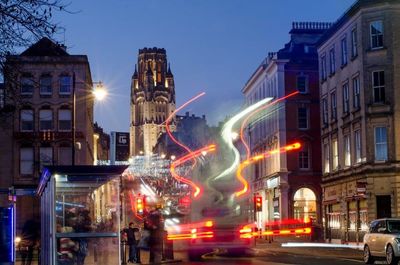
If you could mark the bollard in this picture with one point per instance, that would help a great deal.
(168, 249)
(123, 252)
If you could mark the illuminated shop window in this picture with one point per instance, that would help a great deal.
(305, 204)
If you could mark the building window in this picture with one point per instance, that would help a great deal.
(303, 117)
(27, 85)
(45, 85)
(356, 92)
(381, 152)
(357, 145)
(376, 33)
(46, 156)
(323, 67)
(346, 101)
(304, 157)
(347, 152)
(335, 155)
(332, 63)
(354, 49)
(305, 205)
(333, 106)
(64, 155)
(27, 120)
(26, 161)
(344, 50)
(378, 86)
(326, 158)
(325, 111)
(45, 119)
(302, 84)
(65, 85)
(64, 120)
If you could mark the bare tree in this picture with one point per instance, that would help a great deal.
(23, 22)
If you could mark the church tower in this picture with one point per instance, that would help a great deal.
(152, 99)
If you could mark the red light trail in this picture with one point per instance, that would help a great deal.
(254, 159)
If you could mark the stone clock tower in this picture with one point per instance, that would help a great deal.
(152, 99)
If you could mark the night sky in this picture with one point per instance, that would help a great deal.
(212, 45)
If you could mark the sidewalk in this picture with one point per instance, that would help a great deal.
(329, 250)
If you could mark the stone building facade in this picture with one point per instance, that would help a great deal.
(152, 100)
(37, 124)
(289, 183)
(359, 68)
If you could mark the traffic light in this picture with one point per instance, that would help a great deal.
(258, 203)
(140, 205)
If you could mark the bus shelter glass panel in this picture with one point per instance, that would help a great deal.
(87, 220)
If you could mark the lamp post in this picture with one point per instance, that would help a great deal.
(99, 94)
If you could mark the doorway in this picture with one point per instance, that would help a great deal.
(383, 206)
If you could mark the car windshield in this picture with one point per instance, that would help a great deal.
(394, 226)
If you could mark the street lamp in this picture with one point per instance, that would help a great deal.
(99, 93)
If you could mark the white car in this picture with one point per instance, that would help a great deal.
(383, 241)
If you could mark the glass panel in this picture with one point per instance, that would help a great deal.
(65, 84)
(64, 120)
(45, 85)
(26, 161)
(87, 219)
(27, 85)
(46, 120)
(101, 250)
(305, 206)
(26, 120)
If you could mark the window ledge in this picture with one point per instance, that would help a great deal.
(353, 57)
(345, 115)
(377, 49)
(356, 110)
(343, 65)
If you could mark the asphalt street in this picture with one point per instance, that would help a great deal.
(275, 259)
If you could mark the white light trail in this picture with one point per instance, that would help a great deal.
(227, 135)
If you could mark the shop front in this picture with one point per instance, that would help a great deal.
(80, 216)
(346, 212)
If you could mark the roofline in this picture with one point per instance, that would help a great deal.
(350, 12)
(77, 171)
(255, 74)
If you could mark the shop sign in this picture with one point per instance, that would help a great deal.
(361, 188)
(332, 193)
(271, 183)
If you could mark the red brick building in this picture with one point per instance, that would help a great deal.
(289, 183)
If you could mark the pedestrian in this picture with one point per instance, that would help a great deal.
(153, 223)
(82, 225)
(133, 237)
(29, 239)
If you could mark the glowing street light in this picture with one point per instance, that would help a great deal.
(99, 92)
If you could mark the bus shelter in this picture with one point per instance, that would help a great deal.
(80, 215)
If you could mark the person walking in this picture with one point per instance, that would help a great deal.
(133, 236)
(153, 223)
(30, 234)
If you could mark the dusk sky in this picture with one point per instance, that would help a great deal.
(212, 45)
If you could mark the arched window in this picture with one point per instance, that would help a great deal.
(305, 204)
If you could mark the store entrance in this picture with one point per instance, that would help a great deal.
(383, 206)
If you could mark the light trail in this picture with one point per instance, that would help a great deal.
(322, 245)
(227, 135)
(184, 159)
(244, 123)
(170, 118)
(256, 158)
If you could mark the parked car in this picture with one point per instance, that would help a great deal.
(383, 241)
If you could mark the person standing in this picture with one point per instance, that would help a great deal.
(153, 223)
(30, 234)
(133, 236)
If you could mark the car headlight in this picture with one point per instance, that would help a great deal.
(397, 240)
